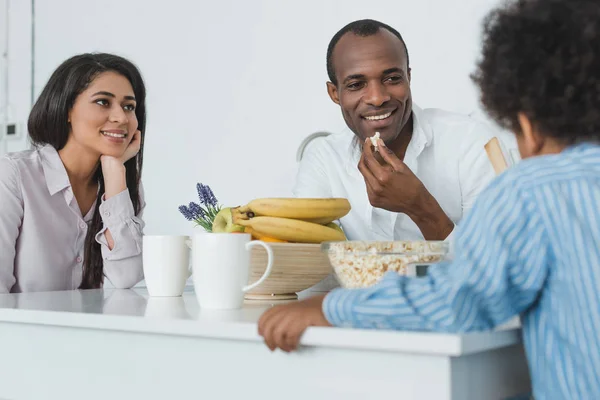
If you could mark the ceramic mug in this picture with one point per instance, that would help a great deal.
(221, 267)
(166, 264)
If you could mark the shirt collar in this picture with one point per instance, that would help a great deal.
(422, 137)
(54, 170)
(422, 134)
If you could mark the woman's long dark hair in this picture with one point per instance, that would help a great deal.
(48, 124)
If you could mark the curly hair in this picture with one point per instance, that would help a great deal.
(364, 28)
(542, 58)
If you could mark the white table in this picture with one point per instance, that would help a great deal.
(121, 344)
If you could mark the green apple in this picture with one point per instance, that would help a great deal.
(223, 222)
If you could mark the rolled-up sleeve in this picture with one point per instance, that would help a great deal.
(122, 264)
(11, 217)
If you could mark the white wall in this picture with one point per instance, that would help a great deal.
(18, 104)
(234, 86)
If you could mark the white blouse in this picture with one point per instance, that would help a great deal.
(42, 231)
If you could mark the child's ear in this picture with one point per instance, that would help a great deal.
(530, 141)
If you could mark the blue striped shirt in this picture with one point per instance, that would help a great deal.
(529, 247)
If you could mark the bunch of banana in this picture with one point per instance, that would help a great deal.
(293, 219)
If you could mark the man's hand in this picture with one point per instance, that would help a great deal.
(394, 187)
(282, 326)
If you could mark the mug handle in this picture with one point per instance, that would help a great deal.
(267, 272)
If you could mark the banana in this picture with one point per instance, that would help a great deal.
(336, 227)
(320, 221)
(319, 211)
(258, 236)
(293, 230)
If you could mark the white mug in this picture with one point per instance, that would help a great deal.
(166, 265)
(221, 266)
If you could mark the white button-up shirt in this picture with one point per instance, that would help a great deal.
(446, 152)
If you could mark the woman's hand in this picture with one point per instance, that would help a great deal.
(113, 168)
(131, 151)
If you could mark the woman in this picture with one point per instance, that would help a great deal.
(71, 208)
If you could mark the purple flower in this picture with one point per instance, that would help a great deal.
(192, 212)
(206, 195)
(186, 213)
(204, 213)
(196, 211)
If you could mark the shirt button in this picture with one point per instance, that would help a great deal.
(83, 225)
(79, 259)
(106, 213)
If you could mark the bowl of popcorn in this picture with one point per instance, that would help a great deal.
(360, 264)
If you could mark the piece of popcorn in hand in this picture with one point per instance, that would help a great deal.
(374, 140)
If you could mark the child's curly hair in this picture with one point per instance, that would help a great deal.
(542, 58)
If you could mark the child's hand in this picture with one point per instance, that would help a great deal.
(282, 326)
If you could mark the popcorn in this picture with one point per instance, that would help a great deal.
(374, 140)
(363, 264)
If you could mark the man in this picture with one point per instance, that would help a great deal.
(531, 244)
(443, 165)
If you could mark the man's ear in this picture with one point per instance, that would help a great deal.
(333, 93)
(532, 141)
